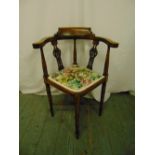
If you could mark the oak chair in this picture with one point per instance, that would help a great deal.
(73, 80)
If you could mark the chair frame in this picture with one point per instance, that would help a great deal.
(74, 33)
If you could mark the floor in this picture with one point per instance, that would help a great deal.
(111, 134)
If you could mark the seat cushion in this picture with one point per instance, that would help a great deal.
(75, 78)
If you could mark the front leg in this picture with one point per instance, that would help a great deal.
(102, 98)
(49, 98)
(77, 114)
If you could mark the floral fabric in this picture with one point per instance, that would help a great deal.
(76, 77)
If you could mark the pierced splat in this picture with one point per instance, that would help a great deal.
(57, 55)
(92, 54)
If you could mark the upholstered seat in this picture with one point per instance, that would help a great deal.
(76, 79)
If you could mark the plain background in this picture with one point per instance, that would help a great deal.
(109, 18)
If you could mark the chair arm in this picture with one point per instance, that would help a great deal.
(42, 42)
(108, 42)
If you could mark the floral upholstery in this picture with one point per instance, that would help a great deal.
(75, 77)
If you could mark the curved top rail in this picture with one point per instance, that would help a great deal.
(74, 33)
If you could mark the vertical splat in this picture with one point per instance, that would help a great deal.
(74, 54)
(92, 54)
(57, 55)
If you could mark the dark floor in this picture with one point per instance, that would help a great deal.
(110, 134)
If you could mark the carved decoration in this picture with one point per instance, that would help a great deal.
(57, 55)
(92, 54)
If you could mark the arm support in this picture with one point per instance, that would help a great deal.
(109, 42)
(42, 42)
(45, 40)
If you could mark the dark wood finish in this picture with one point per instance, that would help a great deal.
(57, 54)
(44, 66)
(45, 75)
(106, 65)
(92, 54)
(75, 33)
(102, 98)
(77, 115)
(41, 43)
(105, 73)
(107, 41)
(49, 98)
(46, 40)
(74, 54)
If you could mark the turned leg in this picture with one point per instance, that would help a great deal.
(77, 111)
(102, 98)
(49, 98)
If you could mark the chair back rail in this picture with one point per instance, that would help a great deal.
(74, 33)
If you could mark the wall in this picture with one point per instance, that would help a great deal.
(108, 18)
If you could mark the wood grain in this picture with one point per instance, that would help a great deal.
(111, 134)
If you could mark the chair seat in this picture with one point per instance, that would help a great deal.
(76, 79)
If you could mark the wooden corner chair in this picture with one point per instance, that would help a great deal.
(76, 81)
